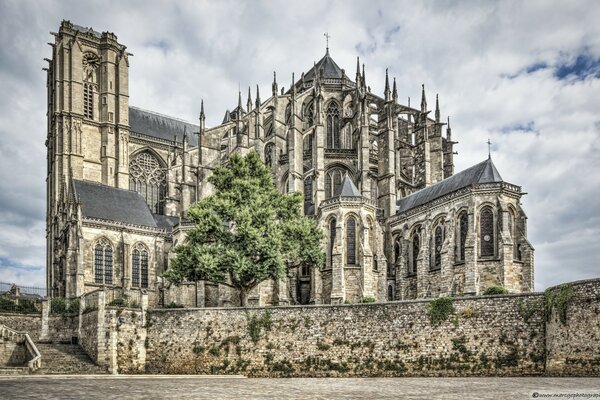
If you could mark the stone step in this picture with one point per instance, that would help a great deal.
(14, 370)
(69, 359)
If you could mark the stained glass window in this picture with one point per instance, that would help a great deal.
(148, 178)
(351, 241)
(416, 246)
(308, 192)
(464, 230)
(333, 126)
(135, 268)
(99, 263)
(103, 262)
(486, 227)
(332, 225)
(438, 240)
(144, 269)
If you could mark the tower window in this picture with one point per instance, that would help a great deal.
(88, 101)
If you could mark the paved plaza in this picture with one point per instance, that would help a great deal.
(238, 388)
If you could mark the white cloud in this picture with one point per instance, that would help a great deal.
(475, 54)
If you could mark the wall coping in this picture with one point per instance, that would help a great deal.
(575, 283)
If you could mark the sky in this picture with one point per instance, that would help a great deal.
(525, 74)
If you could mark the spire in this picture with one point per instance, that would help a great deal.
(249, 101)
(448, 131)
(423, 100)
(387, 86)
(364, 77)
(293, 86)
(274, 86)
(395, 92)
(437, 109)
(202, 116)
(357, 71)
(257, 104)
(408, 101)
(239, 102)
(327, 36)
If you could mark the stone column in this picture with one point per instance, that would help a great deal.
(337, 265)
(471, 255)
(44, 334)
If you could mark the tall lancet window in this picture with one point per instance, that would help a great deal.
(438, 239)
(416, 247)
(139, 267)
(351, 241)
(486, 230)
(332, 225)
(463, 228)
(148, 177)
(308, 196)
(333, 126)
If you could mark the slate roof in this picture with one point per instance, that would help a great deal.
(348, 188)
(166, 222)
(330, 69)
(86, 30)
(161, 126)
(484, 172)
(113, 204)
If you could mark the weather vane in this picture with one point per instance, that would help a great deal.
(327, 36)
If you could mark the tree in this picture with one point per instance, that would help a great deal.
(247, 231)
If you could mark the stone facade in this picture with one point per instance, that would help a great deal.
(121, 180)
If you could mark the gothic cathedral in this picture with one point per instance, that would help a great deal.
(377, 175)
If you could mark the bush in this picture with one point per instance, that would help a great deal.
(368, 299)
(119, 302)
(58, 305)
(173, 305)
(495, 289)
(25, 306)
(440, 309)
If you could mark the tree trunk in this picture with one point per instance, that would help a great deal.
(244, 297)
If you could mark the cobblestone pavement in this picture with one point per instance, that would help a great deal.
(192, 387)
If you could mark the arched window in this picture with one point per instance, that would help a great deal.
(512, 229)
(332, 226)
(390, 293)
(308, 193)
(397, 251)
(351, 241)
(333, 181)
(139, 267)
(486, 230)
(269, 154)
(463, 230)
(308, 116)
(103, 262)
(416, 247)
(148, 178)
(88, 101)
(438, 239)
(333, 126)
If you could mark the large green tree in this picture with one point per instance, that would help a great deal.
(247, 231)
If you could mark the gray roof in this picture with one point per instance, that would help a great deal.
(86, 30)
(484, 172)
(113, 204)
(330, 69)
(166, 222)
(348, 188)
(161, 126)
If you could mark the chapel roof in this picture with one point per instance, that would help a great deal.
(161, 126)
(330, 69)
(484, 172)
(113, 204)
(348, 188)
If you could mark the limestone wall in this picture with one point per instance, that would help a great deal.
(89, 333)
(30, 323)
(484, 336)
(573, 343)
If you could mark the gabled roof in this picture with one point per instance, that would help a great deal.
(348, 188)
(161, 126)
(330, 69)
(166, 222)
(484, 172)
(112, 204)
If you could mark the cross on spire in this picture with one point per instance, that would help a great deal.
(327, 36)
(489, 143)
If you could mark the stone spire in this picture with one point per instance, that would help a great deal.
(387, 86)
(437, 109)
(448, 131)
(202, 117)
(249, 101)
(357, 71)
(293, 86)
(274, 85)
(423, 100)
(257, 103)
(395, 92)
(364, 78)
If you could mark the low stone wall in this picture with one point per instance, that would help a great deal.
(500, 335)
(88, 339)
(13, 354)
(29, 323)
(573, 329)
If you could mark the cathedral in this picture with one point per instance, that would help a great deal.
(378, 177)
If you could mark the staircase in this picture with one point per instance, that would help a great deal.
(66, 359)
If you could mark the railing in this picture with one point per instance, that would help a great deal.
(22, 337)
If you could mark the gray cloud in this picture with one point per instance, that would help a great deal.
(524, 74)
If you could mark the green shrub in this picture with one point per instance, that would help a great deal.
(58, 305)
(560, 297)
(119, 302)
(495, 289)
(440, 309)
(257, 324)
(368, 299)
(174, 305)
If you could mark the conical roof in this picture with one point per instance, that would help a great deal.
(330, 69)
(348, 188)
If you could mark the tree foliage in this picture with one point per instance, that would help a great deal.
(247, 231)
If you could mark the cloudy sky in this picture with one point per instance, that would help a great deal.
(525, 74)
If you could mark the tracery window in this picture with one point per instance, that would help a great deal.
(139, 267)
(148, 178)
(486, 230)
(103, 262)
(333, 126)
(269, 150)
(88, 101)
(463, 228)
(351, 241)
(438, 239)
(333, 181)
(416, 247)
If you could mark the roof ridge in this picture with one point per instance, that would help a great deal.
(163, 115)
